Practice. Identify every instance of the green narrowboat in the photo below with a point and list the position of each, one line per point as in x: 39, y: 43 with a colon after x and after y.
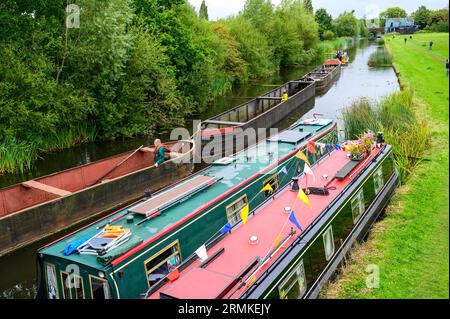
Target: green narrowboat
x: 292, y: 244
x: 129, y: 251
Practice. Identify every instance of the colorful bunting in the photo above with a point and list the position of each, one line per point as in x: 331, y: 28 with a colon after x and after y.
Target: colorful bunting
x: 294, y: 221
x: 283, y: 170
x: 302, y: 196
x: 202, y: 253
x: 267, y: 188
x: 337, y: 146
x: 225, y: 229
x: 244, y: 214
x: 311, y: 147
x: 277, y: 241
x: 303, y: 157
x: 173, y: 275
x: 308, y: 170
x: 251, y: 280
x: 329, y: 148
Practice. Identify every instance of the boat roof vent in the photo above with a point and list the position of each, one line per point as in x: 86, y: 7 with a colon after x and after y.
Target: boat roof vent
x: 291, y: 137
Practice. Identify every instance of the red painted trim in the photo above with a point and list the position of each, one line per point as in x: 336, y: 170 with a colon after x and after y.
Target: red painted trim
x: 136, y: 249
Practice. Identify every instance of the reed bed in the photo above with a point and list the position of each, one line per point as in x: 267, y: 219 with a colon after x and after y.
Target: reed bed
x: 380, y: 58
x: 18, y: 156
x: 394, y: 115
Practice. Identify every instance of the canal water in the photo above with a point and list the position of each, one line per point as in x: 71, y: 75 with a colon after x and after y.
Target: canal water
x: 18, y: 269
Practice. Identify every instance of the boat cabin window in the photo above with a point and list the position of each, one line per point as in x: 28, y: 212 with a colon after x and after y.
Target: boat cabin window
x: 294, y: 286
x: 52, y: 285
x: 234, y: 210
x: 378, y: 180
x: 162, y: 263
x: 328, y: 243
x: 358, y: 205
x: 73, y: 286
x: 99, y: 288
x: 273, y: 181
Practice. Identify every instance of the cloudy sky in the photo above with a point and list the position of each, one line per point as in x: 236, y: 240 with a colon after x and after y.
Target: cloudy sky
x: 222, y: 8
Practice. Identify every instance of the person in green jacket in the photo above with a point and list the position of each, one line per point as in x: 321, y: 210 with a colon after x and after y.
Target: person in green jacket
x: 159, y: 152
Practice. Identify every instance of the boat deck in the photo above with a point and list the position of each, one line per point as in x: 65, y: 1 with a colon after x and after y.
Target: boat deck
x: 226, y: 178
x: 219, y: 278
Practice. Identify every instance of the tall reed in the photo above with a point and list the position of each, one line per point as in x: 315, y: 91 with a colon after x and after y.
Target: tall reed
x: 380, y: 58
x: 394, y: 115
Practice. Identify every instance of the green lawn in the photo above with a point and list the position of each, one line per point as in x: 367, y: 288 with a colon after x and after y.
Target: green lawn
x: 411, y: 245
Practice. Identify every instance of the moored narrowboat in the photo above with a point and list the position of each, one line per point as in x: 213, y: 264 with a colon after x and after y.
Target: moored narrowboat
x: 292, y: 244
x: 325, y: 75
x: 129, y: 251
x: 34, y: 209
x: 264, y: 111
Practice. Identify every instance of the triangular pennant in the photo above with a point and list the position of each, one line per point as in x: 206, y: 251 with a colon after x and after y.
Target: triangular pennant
x: 329, y: 148
x: 225, y: 229
x: 251, y: 280
x: 337, y: 146
x: 267, y: 188
x: 294, y: 221
x: 202, y: 253
x: 309, y: 171
x: 303, y: 157
x: 244, y: 214
x: 302, y: 196
x: 311, y: 147
x: 283, y: 170
x: 277, y: 240
x: 173, y: 275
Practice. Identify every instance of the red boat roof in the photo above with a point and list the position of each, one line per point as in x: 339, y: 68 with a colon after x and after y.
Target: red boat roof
x: 332, y: 62
x: 204, y: 282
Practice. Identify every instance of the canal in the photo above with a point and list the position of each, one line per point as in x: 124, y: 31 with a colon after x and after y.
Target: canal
x: 18, y: 269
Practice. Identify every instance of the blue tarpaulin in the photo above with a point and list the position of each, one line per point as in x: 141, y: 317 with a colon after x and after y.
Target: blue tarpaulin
x: 72, y: 247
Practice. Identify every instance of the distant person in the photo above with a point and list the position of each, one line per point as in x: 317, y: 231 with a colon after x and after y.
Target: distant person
x: 406, y: 40
x: 410, y: 37
x: 160, y: 152
x: 446, y: 67
x: 431, y: 45
x: 284, y: 97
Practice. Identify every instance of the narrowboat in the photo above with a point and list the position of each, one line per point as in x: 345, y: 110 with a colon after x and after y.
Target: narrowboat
x: 264, y: 111
x: 34, y: 209
x: 128, y: 251
x: 292, y: 244
x: 325, y: 75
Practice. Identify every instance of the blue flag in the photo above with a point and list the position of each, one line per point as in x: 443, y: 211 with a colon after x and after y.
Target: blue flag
x: 337, y: 146
x: 329, y: 148
x: 225, y: 229
x: 284, y: 170
x: 294, y: 221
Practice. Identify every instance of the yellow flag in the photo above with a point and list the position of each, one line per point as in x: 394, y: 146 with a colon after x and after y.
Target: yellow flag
x: 244, y: 214
x: 302, y: 156
x: 277, y: 241
x: 267, y: 188
x: 347, y: 148
x: 302, y: 196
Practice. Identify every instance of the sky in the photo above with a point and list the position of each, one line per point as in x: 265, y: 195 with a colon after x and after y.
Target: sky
x: 222, y: 8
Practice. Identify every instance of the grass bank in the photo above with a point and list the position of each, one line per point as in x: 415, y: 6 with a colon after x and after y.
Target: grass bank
x: 411, y: 245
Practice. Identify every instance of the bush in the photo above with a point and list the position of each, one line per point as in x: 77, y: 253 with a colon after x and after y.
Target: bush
x: 328, y: 35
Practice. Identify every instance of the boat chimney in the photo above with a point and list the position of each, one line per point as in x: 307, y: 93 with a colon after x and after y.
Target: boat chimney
x: 147, y: 193
x: 294, y: 185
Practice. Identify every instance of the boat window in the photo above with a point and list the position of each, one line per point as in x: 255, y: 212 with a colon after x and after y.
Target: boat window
x: 358, y: 205
x: 273, y: 181
x: 328, y: 242
x: 378, y: 180
x: 52, y: 285
x: 294, y: 286
x: 234, y: 210
x: 99, y: 288
x: 161, y: 264
x: 67, y: 293
x: 79, y: 287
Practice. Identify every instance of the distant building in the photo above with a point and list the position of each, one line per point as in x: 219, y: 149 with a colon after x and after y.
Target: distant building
x: 401, y: 25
